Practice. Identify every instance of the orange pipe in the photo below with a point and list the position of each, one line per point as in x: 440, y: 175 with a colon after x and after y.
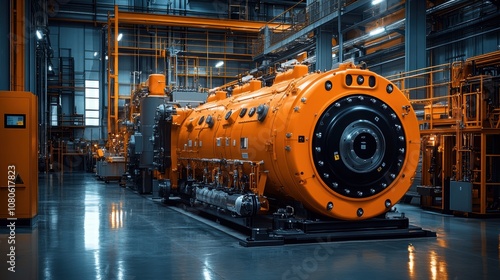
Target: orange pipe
x: 109, y: 78
x: 17, y: 46
x: 115, y: 67
x: 194, y: 22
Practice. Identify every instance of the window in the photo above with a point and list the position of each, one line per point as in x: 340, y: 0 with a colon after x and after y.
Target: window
x: 92, y: 103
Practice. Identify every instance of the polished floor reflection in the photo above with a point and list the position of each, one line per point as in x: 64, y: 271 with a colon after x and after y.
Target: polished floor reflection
x: 91, y: 230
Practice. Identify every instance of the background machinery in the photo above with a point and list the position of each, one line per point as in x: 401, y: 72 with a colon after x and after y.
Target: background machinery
x: 146, y: 98
x: 138, y: 126
x: 460, y: 130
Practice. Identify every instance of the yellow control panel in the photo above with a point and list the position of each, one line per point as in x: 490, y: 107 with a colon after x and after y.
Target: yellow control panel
x: 19, y: 155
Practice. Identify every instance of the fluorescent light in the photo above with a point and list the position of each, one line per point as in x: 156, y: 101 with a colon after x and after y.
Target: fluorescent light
x: 377, y: 31
x: 334, y: 55
x: 96, y: 54
x: 50, y: 67
x: 39, y: 34
x: 375, y: 2
x: 219, y: 64
x: 106, y: 57
x: 120, y: 36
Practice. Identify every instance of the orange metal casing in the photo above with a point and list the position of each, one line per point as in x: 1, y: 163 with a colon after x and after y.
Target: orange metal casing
x: 252, y: 85
x: 19, y: 148
x: 295, y: 102
x: 156, y: 83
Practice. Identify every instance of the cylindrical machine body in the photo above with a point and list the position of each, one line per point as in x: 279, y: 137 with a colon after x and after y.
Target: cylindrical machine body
x: 147, y: 121
x: 344, y: 143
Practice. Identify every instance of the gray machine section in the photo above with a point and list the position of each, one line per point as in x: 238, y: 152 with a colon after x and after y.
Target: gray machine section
x: 461, y: 196
x: 141, y: 149
x: 111, y: 168
x: 244, y: 205
x: 135, y: 143
x: 147, y: 121
x: 189, y: 98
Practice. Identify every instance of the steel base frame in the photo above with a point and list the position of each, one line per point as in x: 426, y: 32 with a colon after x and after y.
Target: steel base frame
x: 273, y: 230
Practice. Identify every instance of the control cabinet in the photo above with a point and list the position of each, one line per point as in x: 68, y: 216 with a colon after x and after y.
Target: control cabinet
x: 19, y: 156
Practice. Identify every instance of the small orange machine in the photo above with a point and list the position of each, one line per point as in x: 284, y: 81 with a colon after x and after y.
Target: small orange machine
x: 18, y: 163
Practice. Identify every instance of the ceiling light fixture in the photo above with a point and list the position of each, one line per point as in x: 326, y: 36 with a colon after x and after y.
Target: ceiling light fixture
x: 219, y: 64
x: 377, y: 31
x: 39, y: 34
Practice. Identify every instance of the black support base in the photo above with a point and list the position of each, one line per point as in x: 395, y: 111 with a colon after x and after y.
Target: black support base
x: 272, y: 230
x: 330, y: 231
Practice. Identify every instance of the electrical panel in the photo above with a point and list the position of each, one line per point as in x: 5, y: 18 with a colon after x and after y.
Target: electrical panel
x: 19, y: 156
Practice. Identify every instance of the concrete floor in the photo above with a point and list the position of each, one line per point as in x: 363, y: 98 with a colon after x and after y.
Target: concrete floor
x: 91, y: 230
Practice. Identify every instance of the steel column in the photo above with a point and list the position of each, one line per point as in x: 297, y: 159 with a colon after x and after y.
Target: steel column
x: 415, y: 41
x: 323, y: 49
x: 5, y: 47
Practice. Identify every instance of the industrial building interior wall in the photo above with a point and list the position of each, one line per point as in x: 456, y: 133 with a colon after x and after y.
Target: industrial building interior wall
x: 4, y: 49
x: 453, y: 34
x: 466, y: 32
x: 451, y: 26
x: 66, y: 81
x: 187, y: 57
x: 247, y: 10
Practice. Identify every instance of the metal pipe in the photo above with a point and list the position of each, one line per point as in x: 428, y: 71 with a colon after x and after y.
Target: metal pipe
x: 17, y: 50
x: 393, y: 26
x: 340, y: 42
x: 465, y: 24
x: 115, y: 60
x: 445, y: 5
x: 194, y: 22
x: 108, y: 68
x: 45, y: 110
x: 244, y: 204
x: 102, y: 82
x: 464, y: 38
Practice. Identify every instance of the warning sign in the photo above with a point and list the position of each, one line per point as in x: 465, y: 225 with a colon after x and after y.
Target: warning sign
x: 19, y: 180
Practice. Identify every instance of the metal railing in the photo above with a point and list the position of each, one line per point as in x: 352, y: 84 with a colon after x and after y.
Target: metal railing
x: 296, y: 19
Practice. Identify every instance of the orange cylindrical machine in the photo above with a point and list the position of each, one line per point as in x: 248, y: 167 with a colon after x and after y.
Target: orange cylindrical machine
x: 343, y: 143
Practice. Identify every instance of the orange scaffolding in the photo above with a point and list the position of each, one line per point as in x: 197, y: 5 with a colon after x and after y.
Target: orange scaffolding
x: 190, y: 68
x: 460, y: 130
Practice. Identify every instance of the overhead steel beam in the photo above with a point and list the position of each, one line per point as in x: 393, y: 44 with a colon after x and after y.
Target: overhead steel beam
x: 194, y: 22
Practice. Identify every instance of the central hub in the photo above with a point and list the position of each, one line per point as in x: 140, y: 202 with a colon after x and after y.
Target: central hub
x: 365, y: 145
x: 362, y: 146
